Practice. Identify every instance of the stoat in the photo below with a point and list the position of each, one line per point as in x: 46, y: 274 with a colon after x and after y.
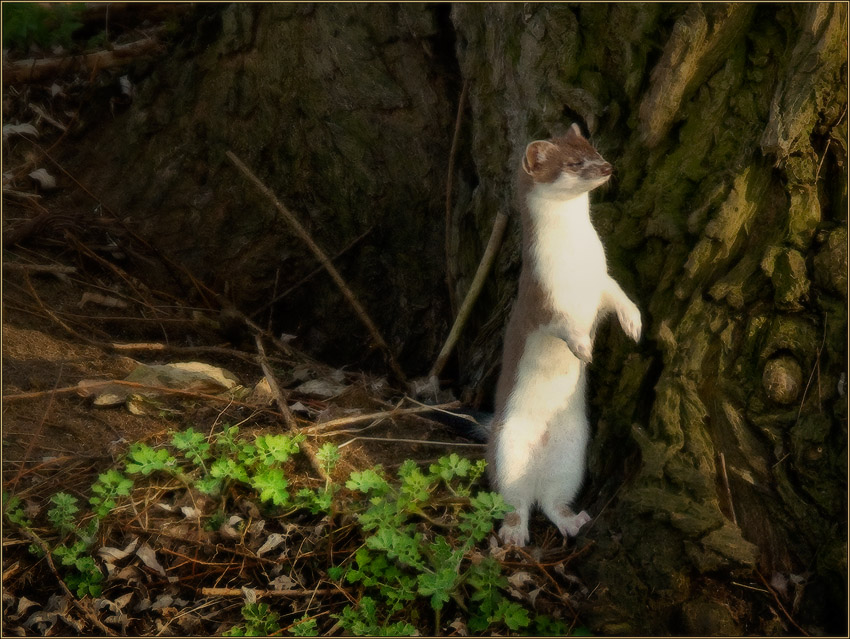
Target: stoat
x: 539, y: 433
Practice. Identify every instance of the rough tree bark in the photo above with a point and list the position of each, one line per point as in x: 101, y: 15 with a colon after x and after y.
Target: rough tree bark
x: 721, y: 440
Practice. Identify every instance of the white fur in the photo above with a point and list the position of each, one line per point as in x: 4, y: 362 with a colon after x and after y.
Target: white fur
x: 540, y: 453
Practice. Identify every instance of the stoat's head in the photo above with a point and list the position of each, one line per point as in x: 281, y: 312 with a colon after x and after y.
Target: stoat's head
x: 565, y: 167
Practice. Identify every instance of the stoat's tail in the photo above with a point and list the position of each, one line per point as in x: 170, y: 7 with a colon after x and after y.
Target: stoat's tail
x: 465, y: 422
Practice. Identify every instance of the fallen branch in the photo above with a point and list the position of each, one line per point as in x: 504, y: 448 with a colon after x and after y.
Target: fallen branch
x: 487, y: 260
x: 33, y: 70
x: 329, y: 267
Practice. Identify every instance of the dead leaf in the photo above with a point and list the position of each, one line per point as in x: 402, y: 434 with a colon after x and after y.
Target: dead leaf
x: 102, y: 300
x: 19, y: 129
x: 282, y: 582
x: 273, y: 541
x: 459, y: 625
x: 24, y: 604
x: 108, y: 553
x: 518, y: 579
x: 44, y: 179
x: 322, y: 388
x: 190, y: 512
x: 228, y: 529
x: 148, y: 556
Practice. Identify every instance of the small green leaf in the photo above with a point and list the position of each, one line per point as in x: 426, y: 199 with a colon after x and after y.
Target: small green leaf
x: 305, y: 627
x: 447, y: 468
x: 368, y: 481
x: 62, y: 513
x: 271, y: 484
x: 146, y: 460
x: 328, y: 454
x: 277, y: 448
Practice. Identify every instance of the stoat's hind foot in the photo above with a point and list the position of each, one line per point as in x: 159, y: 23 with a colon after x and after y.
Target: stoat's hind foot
x: 567, y: 522
x: 514, y: 530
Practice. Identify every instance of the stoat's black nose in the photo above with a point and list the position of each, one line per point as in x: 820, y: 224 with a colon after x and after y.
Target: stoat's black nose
x: 606, y: 169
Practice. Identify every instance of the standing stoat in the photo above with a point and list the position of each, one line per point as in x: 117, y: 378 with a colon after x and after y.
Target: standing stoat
x: 539, y: 433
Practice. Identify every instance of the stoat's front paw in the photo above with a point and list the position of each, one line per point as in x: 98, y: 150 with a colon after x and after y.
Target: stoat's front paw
x: 629, y: 317
x: 582, y: 348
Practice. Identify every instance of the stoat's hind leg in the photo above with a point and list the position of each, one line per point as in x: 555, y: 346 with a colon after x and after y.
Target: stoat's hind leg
x: 565, y: 519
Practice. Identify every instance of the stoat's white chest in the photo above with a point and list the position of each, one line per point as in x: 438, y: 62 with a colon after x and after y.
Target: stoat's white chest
x: 568, y: 257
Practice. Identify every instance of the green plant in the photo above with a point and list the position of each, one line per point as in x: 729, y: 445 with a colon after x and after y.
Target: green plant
x: 403, y: 561
x: 145, y: 460
x: 14, y: 511
x: 260, y: 621
x: 106, y: 489
x: 62, y: 513
x: 85, y: 578
x: 304, y: 627
x: 420, y: 530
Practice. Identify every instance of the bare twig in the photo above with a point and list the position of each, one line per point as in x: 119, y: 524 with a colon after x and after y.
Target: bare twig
x: 728, y: 490
x: 449, y: 180
x: 346, y: 421
x: 814, y: 368
x: 329, y: 267
x: 275, y: 389
x: 300, y: 592
x: 412, y: 441
x: 306, y: 447
x: 487, y: 260
x: 779, y: 603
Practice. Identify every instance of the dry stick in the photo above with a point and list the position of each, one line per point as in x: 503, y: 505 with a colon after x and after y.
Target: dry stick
x: 275, y: 389
x: 284, y: 408
x: 449, y: 180
x: 345, y: 421
x: 331, y: 269
x: 487, y: 260
x: 237, y: 592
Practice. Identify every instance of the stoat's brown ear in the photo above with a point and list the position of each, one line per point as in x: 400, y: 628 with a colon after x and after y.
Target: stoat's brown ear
x: 536, y: 154
x: 576, y: 129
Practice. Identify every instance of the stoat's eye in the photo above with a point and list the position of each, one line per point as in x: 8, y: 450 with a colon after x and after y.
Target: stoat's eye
x: 573, y: 165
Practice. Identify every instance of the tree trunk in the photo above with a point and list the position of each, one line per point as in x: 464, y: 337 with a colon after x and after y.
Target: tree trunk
x: 720, y: 447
